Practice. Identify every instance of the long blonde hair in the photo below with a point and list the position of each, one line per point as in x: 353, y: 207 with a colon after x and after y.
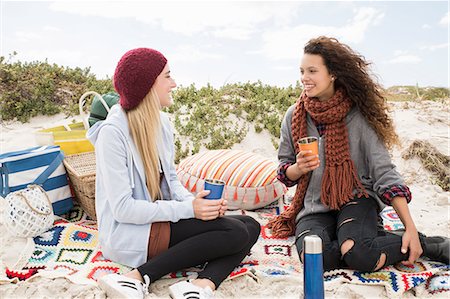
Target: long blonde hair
x: 144, y: 122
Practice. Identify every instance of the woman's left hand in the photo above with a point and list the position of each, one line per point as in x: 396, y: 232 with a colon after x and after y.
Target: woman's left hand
x: 410, y: 240
x: 223, y: 207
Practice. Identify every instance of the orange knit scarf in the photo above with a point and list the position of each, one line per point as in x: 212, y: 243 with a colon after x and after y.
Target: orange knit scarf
x: 339, y: 177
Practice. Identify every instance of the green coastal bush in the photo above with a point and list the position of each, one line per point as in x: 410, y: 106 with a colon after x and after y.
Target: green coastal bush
x: 416, y: 93
x: 28, y: 89
x: 208, y: 117
x: 218, y: 118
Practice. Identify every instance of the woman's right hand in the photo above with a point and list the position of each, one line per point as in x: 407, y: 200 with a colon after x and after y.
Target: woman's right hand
x: 206, y: 209
x: 306, y: 163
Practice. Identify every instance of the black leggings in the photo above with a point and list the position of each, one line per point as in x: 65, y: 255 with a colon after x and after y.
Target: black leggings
x: 357, y: 221
x: 222, y: 243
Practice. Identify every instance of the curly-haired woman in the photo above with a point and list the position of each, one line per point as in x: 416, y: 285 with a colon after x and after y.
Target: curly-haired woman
x: 340, y: 195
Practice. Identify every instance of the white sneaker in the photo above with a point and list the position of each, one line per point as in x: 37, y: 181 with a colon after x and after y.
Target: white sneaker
x: 120, y: 286
x: 185, y: 290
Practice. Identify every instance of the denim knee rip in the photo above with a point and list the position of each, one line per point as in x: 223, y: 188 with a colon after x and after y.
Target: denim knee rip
x: 362, y: 258
x: 359, y: 257
x: 379, y: 258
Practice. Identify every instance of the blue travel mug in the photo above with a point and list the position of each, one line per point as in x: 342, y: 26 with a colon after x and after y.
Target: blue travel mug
x: 216, y: 188
x: 313, y: 287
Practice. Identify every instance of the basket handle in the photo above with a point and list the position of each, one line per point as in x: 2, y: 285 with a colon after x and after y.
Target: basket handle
x: 82, y: 101
x: 28, y: 203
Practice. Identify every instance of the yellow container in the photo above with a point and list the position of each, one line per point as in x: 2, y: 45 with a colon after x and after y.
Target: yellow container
x: 71, y: 138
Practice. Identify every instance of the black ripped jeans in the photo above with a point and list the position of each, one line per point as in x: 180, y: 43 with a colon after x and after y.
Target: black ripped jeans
x: 358, y: 221
x: 222, y: 243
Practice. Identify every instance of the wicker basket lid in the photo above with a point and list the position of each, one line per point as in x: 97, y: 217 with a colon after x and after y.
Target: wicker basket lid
x: 82, y: 164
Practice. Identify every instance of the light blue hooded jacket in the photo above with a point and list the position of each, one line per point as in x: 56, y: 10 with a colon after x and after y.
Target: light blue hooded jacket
x: 124, y: 208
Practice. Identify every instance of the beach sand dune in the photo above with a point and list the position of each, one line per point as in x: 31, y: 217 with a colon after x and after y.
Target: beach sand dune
x: 429, y: 121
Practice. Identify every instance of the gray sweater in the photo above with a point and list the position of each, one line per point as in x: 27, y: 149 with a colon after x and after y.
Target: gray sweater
x: 371, y: 158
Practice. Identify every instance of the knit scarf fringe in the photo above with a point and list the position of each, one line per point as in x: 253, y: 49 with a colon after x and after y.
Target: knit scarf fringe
x: 334, y: 194
x: 283, y: 226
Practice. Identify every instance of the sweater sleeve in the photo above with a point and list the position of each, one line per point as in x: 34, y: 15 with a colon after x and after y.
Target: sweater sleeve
x: 115, y: 185
x: 286, y: 149
x: 387, y: 182
x: 180, y: 193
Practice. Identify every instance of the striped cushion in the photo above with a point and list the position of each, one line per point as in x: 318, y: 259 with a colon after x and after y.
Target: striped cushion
x: 250, y: 179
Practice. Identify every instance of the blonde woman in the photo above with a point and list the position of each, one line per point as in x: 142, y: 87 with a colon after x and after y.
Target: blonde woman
x: 146, y: 219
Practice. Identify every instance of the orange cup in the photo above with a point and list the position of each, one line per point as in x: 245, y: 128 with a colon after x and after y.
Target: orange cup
x: 309, y: 144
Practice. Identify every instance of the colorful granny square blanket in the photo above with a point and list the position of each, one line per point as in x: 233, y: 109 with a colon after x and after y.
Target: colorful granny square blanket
x: 70, y: 249
x: 279, y: 257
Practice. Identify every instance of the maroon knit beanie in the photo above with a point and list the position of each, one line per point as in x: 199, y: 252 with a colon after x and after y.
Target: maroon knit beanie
x: 135, y: 75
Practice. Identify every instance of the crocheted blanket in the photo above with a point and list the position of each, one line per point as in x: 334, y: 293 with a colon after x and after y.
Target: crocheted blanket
x: 274, y: 256
x: 70, y: 249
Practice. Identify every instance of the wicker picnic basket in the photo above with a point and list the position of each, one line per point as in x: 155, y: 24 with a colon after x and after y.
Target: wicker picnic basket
x: 81, y: 170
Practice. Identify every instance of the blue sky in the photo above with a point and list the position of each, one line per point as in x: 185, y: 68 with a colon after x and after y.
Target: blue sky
x: 233, y: 41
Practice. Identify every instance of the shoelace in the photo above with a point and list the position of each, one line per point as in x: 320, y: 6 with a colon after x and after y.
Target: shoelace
x: 146, y: 284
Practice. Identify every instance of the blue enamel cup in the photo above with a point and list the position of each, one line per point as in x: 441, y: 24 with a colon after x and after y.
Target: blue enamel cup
x: 216, y: 188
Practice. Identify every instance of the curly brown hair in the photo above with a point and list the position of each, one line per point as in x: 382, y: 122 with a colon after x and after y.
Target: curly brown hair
x: 352, y: 74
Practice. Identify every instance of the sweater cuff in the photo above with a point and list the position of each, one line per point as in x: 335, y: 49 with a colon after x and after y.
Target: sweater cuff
x: 188, y: 211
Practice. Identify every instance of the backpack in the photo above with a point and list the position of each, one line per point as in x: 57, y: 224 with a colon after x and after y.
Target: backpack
x: 98, y: 107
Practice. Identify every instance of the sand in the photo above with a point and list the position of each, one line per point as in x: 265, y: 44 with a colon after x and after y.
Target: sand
x: 427, y: 120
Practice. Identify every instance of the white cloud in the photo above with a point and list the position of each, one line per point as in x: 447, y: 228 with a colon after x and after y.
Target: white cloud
x: 287, y: 43
x: 405, y: 59
x: 404, y: 56
x: 435, y: 47
x: 30, y: 36
x: 444, y: 21
x: 190, y: 54
x: 426, y: 26
x: 52, y: 29
x: 22, y: 36
x: 284, y: 68
x: 62, y: 57
x: 364, y: 17
x: 234, y: 33
x: 400, y: 52
x: 236, y: 20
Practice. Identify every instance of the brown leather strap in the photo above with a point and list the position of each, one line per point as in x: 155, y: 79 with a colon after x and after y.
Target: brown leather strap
x: 159, y: 238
